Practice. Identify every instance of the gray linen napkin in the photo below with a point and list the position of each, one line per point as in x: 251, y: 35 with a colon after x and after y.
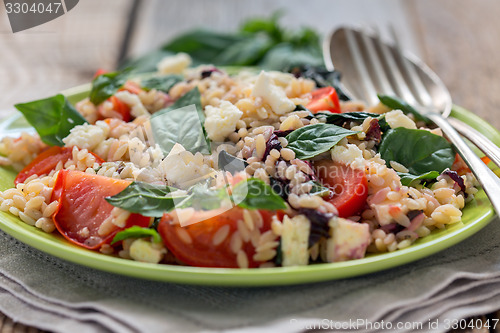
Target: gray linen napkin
x: 43, y: 291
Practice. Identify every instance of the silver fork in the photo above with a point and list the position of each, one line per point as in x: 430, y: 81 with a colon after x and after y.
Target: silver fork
x: 371, y: 66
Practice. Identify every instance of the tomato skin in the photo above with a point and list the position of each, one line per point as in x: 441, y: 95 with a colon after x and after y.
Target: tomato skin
x: 324, y: 99
x: 47, y: 161
x: 82, y: 204
x: 350, y: 186
x: 201, y: 251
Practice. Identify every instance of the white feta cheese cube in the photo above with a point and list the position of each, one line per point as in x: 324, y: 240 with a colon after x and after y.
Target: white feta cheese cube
x: 87, y: 136
x: 221, y: 121
x: 397, y: 118
x: 348, y: 240
x: 143, y: 250
x: 272, y: 94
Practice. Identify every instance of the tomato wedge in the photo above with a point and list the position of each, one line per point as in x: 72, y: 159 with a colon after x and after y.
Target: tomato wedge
x: 47, y: 161
x: 324, y: 99
x: 83, y: 207
x: 198, y: 249
x: 349, y: 185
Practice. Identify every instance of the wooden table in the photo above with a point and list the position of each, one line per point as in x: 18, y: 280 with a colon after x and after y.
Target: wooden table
x: 457, y: 38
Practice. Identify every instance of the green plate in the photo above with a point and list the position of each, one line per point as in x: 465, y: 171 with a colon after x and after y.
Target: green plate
x: 476, y: 215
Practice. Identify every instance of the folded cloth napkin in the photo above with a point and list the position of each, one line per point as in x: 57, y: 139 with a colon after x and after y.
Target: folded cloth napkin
x: 431, y: 294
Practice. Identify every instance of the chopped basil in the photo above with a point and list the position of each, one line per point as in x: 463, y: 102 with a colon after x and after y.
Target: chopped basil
x: 255, y: 194
x: 161, y: 83
x: 341, y: 118
x: 313, y: 140
x: 318, y: 189
x: 106, y: 85
x: 182, y: 123
x: 408, y: 179
x: 419, y: 151
x: 53, y: 118
x: 146, y: 199
x: 136, y: 232
x: 398, y: 104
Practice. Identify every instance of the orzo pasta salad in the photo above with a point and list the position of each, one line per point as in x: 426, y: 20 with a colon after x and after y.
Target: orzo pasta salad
x: 193, y: 166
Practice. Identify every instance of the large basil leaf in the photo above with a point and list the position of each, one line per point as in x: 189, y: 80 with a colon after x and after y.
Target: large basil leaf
x: 313, y: 140
x: 408, y: 179
x: 161, y: 83
x: 182, y: 123
x: 245, y: 52
x: 137, y: 232
x: 286, y: 55
x: 106, y: 85
x: 255, y: 194
x: 53, y: 118
x: 419, y: 151
x: 145, y: 199
x: 398, y: 104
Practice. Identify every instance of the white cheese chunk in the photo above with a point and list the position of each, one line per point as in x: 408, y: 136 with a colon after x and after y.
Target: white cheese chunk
x: 294, y: 241
x: 145, y: 251
x: 221, y: 121
x: 272, y: 94
x: 174, y: 64
x: 397, y: 118
x: 348, y: 240
x: 87, y: 136
x: 348, y: 155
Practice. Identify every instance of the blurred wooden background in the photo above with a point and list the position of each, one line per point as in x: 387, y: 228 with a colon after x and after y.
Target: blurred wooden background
x: 457, y: 38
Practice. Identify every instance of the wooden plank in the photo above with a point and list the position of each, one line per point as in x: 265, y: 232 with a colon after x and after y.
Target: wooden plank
x: 459, y: 40
x: 62, y: 53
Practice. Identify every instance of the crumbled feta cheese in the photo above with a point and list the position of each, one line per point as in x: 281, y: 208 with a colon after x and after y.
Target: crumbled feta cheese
x: 145, y: 251
x: 182, y: 168
x: 174, y: 64
x: 221, y: 121
x: 294, y: 240
x: 274, y: 95
x: 349, y: 155
x: 348, y: 240
x: 133, y: 101
x: 87, y: 136
x: 397, y: 118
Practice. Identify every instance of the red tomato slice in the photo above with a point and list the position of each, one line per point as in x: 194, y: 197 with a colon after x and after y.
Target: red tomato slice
x: 324, y: 99
x: 199, y: 249
x: 83, y: 208
x: 47, y: 161
x: 349, y: 185
x: 122, y: 108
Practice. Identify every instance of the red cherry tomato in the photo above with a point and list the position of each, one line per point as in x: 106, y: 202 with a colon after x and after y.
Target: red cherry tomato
x: 324, y: 99
x: 47, y: 161
x: 83, y: 208
x: 198, y: 249
x: 349, y: 186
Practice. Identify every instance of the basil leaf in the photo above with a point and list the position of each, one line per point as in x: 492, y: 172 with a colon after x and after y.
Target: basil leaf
x: 106, y: 85
x: 228, y: 162
x: 145, y: 199
x: 408, y: 179
x: 318, y: 189
x: 182, y: 123
x: 255, y: 194
x: 53, y: 118
x: 204, y: 46
x: 245, y: 52
x: 137, y: 232
x: 341, y: 118
x: 398, y: 104
x: 286, y: 55
x: 161, y: 83
x: 312, y: 140
x: 419, y: 151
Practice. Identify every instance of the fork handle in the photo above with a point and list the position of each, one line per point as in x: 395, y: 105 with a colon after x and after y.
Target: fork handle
x: 488, y: 180
x: 483, y: 143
